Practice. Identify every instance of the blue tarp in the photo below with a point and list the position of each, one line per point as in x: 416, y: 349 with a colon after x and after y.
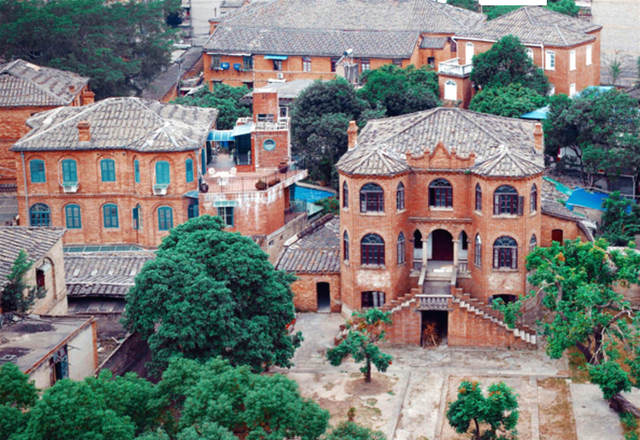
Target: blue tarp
x: 586, y: 199
x: 275, y: 57
x: 539, y: 113
x: 220, y: 135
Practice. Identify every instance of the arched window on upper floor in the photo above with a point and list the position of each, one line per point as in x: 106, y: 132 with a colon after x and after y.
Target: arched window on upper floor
x: 188, y: 165
x: 533, y: 200
x: 72, y: 216
x: 400, y: 202
x: 108, y: 170
x: 37, y: 171
x: 505, y: 253
x: 345, y: 195
x: 477, y: 251
x: 440, y: 194
x: 506, y: 201
x: 533, y: 243
x: 478, y: 197
x: 371, y: 198
x: 372, y: 250
x: 402, y: 249
x: 345, y: 246
x: 40, y: 215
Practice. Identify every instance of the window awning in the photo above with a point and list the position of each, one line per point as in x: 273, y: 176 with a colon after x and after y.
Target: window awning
x: 191, y: 194
x: 220, y: 135
x: 275, y: 57
x: 240, y: 130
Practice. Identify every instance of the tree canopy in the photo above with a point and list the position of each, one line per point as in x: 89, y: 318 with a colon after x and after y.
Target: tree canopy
x: 601, y: 128
x: 577, y: 283
x: 567, y: 7
x: 226, y: 99
x: 120, y: 46
x: 351, y: 431
x: 400, y: 91
x: 621, y: 220
x: 210, y: 292
x: 512, y: 100
x: 505, y: 63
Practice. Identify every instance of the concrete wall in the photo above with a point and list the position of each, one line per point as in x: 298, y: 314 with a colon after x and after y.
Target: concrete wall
x: 83, y: 354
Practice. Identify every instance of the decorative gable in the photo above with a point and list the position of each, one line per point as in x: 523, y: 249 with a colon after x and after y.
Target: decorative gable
x: 441, y: 158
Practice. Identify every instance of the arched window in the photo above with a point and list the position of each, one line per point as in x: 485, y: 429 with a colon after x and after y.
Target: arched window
x: 163, y: 174
x: 400, y: 197
x: 505, y: 253
x: 402, y: 252
x: 72, y: 216
x: 440, y: 193
x: 110, y: 215
x: 533, y: 243
x: 69, y: 171
x: 188, y: 165
x: 372, y: 250
x: 477, y: 249
x: 165, y: 218
x: 345, y: 195
x: 137, y: 217
x: 40, y: 215
x: 505, y: 200
x: 533, y: 202
x: 478, y: 197
x: 371, y: 198
x: 36, y: 167
x: 108, y: 170
x: 345, y: 245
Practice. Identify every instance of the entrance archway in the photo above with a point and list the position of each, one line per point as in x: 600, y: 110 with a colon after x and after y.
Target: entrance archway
x: 323, y: 295
x: 441, y: 245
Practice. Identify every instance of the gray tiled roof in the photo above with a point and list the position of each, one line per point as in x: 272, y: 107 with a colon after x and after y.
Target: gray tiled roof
x: 535, y: 25
x: 120, y: 123
x: 316, y: 252
x: 289, y: 90
x: 165, y: 81
x: 36, y: 242
x: 25, y: 84
x: 433, y: 42
x: 104, y: 274
x: 416, y: 15
x: 502, y: 146
x: 318, y: 42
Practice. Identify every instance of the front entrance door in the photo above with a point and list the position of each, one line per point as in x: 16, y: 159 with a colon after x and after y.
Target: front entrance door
x: 442, y: 245
x: 556, y: 235
x: 323, y: 293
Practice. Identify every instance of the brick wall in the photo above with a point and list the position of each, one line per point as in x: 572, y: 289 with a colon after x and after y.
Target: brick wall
x: 304, y: 290
x: 569, y: 228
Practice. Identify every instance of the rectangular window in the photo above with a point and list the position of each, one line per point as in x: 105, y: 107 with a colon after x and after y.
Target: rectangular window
x: 550, y: 60
x: 468, y: 56
x: 136, y: 217
x: 110, y: 216
x: 397, y: 62
x: 72, y: 217
x: 136, y: 170
x: 365, y: 64
x: 189, y: 170
x: 36, y: 167
x: 193, y: 210
x: 552, y: 90
x: 226, y: 213
x: 165, y: 218
x: 69, y: 171
x: 306, y: 64
x: 163, y: 176
x: 572, y: 60
x: 334, y: 63
x: 277, y: 65
x: 372, y: 299
x: 247, y: 63
x: 589, y: 55
x: 572, y: 89
x: 108, y: 170
x: 215, y: 62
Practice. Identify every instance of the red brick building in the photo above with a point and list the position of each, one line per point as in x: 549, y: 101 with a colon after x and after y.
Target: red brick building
x: 567, y: 49
x: 26, y: 89
x: 439, y: 210
x: 289, y: 39
x: 122, y: 170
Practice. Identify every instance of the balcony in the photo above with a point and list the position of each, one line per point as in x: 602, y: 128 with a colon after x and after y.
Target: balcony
x: 160, y: 190
x: 451, y: 67
x: 70, y: 187
x: 228, y: 181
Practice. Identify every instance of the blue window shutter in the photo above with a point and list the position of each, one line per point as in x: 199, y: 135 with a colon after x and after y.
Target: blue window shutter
x: 165, y: 218
x: 72, y: 217
x: 36, y: 167
x: 163, y: 175
x: 69, y: 171
x: 108, y: 170
x: 189, y: 170
x: 110, y: 215
x: 136, y: 170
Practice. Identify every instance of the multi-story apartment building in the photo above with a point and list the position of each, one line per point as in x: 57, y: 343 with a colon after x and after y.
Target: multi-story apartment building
x: 567, y: 49
x: 122, y: 170
x: 26, y: 89
x: 288, y: 39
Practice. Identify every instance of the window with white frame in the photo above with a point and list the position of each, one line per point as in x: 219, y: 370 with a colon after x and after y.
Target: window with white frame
x: 529, y: 53
x: 306, y: 64
x: 469, y: 52
x: 572, y: 89
x: 450, y: 91
x: 589, y: 55
x: 572, y: 60
x: 550, y: 60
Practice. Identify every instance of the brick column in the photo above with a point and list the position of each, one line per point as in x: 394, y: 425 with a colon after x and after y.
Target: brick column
x: 455, y: 254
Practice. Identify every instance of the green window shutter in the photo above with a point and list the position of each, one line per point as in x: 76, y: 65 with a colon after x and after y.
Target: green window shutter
x: 163, y: 176
x: 110, y: 215
x: 69, y: 171
x: 189, y: 170
x: 108, y: 170
x: 136, y: 170
x: 72, y: 217
x: 165, y: 218
x: 36, y: 167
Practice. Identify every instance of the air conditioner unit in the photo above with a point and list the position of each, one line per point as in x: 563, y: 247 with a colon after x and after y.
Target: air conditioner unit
x: 160, y: 190
x: 280, y: 75
x: 70, y: 187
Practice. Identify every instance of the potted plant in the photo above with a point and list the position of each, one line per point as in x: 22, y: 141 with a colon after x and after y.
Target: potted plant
x: 283, y: 167
x: 261, y: 185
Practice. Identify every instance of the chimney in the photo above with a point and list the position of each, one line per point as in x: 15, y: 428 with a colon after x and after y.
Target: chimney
x: 84, y: 133
x: 538, y: 138
x: 352, y: 133
x: 88, y: 97
x: 72, y: 88
x: 213, y: 25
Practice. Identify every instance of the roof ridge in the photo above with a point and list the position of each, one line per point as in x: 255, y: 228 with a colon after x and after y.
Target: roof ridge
x: 555, y: 25
x: 480, y: 126
x: 40, y: 86
x: 526, y: 11
x: 427, y: 113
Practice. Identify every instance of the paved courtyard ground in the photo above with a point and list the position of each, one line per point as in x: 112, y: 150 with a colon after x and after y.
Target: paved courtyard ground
x: 409, y: 401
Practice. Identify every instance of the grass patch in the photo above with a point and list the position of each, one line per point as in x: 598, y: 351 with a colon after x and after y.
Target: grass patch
x: 577, y: 366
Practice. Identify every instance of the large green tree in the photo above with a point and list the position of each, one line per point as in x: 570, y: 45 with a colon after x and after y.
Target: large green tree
x: 601, y: 129
x: 567, y: 7
x: 498, y: 410
x: 365, y: 331
x: 227, y: 99
x: 17, y: 394
x: 120, y: 46
x: 505, y: 63
x: 620, y: 222
x: 578, y: 284
x: 400, y: 91
x: 210, y: 292
x: 512, y: 100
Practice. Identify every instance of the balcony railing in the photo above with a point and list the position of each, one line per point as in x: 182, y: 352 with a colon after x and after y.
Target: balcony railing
x: 451, y: 67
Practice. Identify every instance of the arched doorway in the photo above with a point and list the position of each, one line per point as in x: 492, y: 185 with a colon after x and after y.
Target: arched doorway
x: 417, y: 249
x: 323, y: 294
x: 441, y: 245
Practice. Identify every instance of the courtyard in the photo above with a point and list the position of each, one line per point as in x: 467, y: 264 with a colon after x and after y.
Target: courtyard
x: 409, y: 401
